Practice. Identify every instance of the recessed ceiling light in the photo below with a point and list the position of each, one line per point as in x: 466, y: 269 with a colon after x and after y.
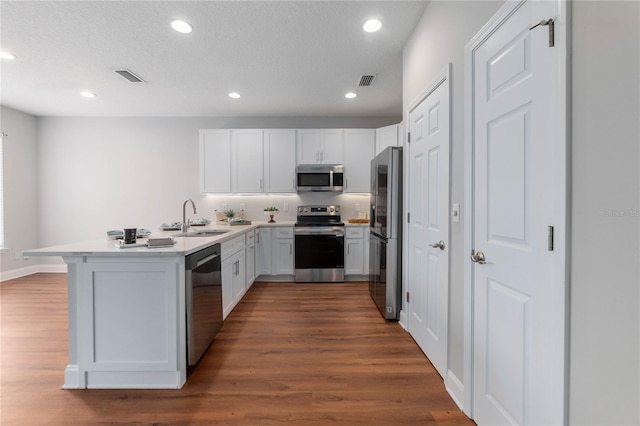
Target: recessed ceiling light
x: 181, y: 26
x: 350, y: 95
x: 372, y: 25
x: 87, y: 94
x: 234, y: 95
x: 7, y: 55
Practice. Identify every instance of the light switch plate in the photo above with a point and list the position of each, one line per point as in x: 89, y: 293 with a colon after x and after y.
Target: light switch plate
x: 455, y: 213
x: 357, y: 207
x: 286, y: 207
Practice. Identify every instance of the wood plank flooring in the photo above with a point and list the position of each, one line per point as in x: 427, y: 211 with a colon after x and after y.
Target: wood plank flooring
x: 301, y: 354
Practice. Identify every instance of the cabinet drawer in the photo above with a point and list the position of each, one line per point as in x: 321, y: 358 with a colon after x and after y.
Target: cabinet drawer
x: 283, y: 232
x: 354, y: 231
x: 231, y: 246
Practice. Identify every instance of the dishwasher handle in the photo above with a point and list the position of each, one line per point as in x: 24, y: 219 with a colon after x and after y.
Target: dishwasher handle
x: 206, y: 259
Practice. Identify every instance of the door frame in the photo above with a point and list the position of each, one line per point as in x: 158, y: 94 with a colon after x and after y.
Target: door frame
x: 443, y: 76
x: 560, y: 168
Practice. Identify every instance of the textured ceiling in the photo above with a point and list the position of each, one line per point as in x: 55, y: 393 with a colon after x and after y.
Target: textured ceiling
x: 286, y: 58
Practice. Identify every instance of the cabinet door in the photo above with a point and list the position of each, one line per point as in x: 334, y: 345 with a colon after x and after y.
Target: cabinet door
x: 308, y: 146
x: 359, y: 147
x: 215, y: 161
x: 283, y: 262
x: 228, y: 275
x: 280, y: 160
x: 354, y: 256
x: 331, y: 150
x: 251, y: 265
x: 239, y: 277
x: 247, y: 161
x: 386, y: 136
x: 263, y: 251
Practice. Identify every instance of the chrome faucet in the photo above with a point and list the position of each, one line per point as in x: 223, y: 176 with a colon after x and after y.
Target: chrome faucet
x: 185, y: 225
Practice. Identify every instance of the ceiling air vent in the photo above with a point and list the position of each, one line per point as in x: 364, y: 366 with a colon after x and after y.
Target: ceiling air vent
x: 129, y: 76
x: 366, y: 80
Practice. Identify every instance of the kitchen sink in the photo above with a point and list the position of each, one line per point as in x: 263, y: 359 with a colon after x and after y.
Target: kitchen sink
x: 202, y: 233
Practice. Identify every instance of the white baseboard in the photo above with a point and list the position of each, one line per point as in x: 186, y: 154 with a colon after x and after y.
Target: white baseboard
x: 455, y: 388
x: 33, y: 269
x: 403, y: 319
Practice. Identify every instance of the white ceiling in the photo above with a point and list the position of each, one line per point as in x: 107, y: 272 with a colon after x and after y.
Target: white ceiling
x: 286, y: 58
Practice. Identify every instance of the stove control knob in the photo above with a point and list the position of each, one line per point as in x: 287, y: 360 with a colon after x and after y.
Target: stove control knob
x: 337, y: 209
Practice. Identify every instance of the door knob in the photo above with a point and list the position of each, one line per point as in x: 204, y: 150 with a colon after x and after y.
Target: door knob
x: 439, y: 244
x: 478, y: 257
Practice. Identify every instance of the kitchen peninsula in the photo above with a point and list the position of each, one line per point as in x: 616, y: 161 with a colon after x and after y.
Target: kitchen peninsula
x: 127, y: 309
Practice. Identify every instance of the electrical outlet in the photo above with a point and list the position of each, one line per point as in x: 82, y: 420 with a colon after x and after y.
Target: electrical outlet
x: 17, y: 255
x: 225, y: 207
x: 357, y: 207
x: 241, y: 206
x: 286, y: 207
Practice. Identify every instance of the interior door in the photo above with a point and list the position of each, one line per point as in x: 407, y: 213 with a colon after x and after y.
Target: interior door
x: 518, y: 309
x: 429, y: 223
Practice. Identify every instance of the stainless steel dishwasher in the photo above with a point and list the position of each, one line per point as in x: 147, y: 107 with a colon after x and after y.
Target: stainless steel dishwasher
x: 204, y: 300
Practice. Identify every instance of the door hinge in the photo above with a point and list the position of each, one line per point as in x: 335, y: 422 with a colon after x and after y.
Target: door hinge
x: 550, y: 239
x: 408, y: 217
x: 408, y: 297
x: 408, y: 137
x: 550, y: 23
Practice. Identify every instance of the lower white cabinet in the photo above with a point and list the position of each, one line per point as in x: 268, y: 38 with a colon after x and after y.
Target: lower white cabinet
x: 356, y: 252
x: 251, y: 258
x: 234, y: 283
x: 274, y: 252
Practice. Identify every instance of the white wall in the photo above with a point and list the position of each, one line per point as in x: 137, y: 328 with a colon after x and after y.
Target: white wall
x: 605, y: 276
x: 20, y: 191
x: 438, y: 39
x: 99, y: 174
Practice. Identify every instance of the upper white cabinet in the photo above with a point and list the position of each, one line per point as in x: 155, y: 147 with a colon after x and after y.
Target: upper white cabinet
x: 247, y: 161
x: 387, y: 136
x: 279, y: 160
x: 359, y: 145
x: 319, y: 146
x: 215, y: 164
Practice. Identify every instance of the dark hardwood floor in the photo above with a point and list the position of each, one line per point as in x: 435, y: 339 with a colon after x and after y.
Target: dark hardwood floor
x: 301, y: 354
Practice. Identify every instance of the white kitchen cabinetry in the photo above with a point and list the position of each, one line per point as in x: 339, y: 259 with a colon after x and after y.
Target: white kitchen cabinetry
x: 387, y: 136
x: 234, y: 283
x: 215, y: 161
x: 275, y: 253
x: 247, y: 161
x: 279, y: 160
x: 319, y: 146
x: 356, y: 256
x: 251, y: 258
x: 359, y: 146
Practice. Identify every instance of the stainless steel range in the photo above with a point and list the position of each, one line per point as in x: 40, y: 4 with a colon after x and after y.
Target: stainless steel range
x: 319, y: 244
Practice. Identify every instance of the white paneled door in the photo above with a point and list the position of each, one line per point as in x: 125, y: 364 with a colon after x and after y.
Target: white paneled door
x: 428, y: 265
x: 517, y: 186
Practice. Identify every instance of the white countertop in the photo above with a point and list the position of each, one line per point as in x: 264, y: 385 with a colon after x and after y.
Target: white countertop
x: 183, y: 245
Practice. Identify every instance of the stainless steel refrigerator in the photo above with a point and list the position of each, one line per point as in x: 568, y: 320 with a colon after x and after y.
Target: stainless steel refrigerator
x: 385, y: 242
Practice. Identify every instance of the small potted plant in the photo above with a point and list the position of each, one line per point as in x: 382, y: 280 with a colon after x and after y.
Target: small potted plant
x: 271, y: 212
x: 230, y: 214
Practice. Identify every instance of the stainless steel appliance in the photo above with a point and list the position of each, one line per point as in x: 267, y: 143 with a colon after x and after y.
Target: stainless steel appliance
x: 319, y: 178
x: 319, y: 244
x: 385, y: 243
x: 204, y: 300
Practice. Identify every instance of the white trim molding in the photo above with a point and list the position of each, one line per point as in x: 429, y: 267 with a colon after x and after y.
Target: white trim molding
x: 30, y: 270
x: 455, y: 388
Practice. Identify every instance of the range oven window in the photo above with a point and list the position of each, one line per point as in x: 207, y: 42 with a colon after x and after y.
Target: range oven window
x: 319, y: 251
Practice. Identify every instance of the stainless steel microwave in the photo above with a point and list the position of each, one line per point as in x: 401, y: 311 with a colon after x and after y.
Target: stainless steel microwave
x: 319, y: 178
